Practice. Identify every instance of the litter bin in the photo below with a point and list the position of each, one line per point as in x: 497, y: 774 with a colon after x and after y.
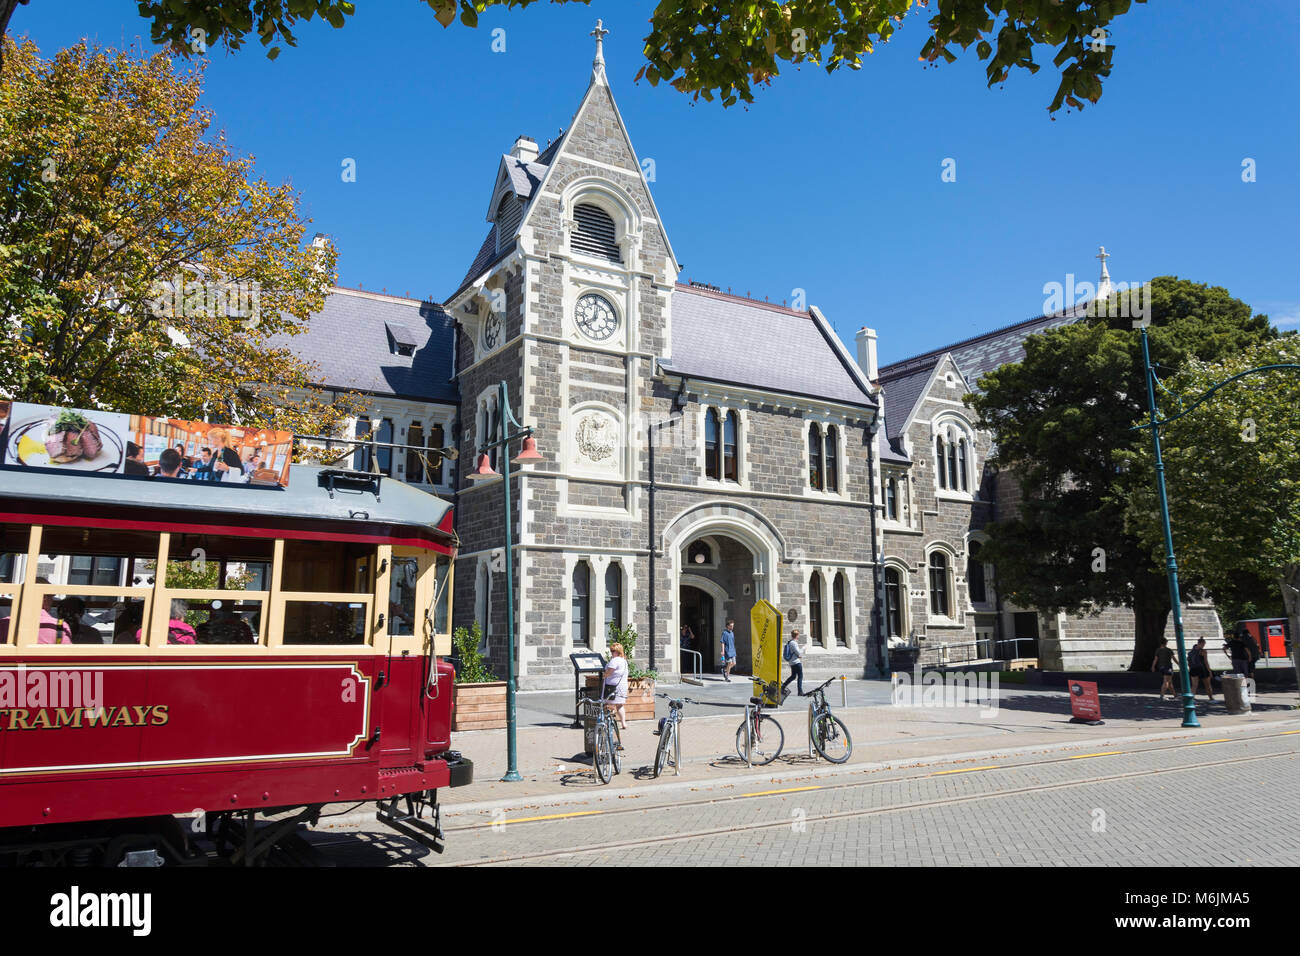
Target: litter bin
x: 1234, y: 695
x: 589, y: 709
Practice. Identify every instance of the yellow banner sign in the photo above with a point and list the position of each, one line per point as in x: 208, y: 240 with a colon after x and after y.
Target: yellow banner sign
x: 765, y: 626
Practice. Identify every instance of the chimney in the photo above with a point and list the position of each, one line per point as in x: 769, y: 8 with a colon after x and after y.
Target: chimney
x: 524, y: 149
x: 866, y: 340
x: 319, y: 244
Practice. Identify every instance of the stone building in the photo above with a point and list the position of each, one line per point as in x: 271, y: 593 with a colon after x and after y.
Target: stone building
x: 682, y: 482
x: 938, y: 494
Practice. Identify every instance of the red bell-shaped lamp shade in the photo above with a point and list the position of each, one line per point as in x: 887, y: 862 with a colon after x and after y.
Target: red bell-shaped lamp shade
x: 528, y: 454
x: 484, y: 469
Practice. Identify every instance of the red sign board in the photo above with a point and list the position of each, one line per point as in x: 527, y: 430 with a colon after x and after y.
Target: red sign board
x: 1084, y: 702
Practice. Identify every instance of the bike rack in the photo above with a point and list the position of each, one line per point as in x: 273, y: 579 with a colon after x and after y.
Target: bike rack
x: 697, y: 678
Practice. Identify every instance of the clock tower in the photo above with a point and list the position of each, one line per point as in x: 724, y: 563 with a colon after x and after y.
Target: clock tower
x: 568, y: 301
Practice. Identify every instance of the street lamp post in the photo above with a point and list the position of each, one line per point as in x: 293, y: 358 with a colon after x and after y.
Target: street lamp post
x: 1171, y: 565
x: 527, y: 455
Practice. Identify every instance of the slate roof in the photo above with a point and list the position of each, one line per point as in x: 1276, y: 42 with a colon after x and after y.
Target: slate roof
x: 902, y: 392
x: 350, y: 342
x: 904, y: 381
x: 725, y: 338
x: 524, y: 177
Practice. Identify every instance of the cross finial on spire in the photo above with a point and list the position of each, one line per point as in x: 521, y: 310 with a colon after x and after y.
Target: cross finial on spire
x: 1103, y: 283
x: 598, y: 64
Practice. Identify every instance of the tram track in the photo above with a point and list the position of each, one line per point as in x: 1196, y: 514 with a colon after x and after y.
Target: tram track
x: 906, y: 806
x: 831, y: 787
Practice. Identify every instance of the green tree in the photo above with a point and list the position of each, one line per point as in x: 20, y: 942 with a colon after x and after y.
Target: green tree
x: 114, y: 188
x: 1061, y: 421
x: 1232, y: 481
x: 725, y: 49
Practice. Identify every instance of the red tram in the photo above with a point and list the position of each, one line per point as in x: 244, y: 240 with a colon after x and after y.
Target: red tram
x: 189, y: 672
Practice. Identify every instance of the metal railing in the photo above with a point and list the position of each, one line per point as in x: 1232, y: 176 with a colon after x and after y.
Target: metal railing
x: 962, y: 652
x: 697, y: 677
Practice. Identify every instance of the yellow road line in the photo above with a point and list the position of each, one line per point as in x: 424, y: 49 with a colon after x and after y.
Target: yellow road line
x: 1108, y: 753
x: 553, y: 816
x: 1285, y: 732
x: 768, y: 793
x: 1221, y: 740
x: 940, y: 773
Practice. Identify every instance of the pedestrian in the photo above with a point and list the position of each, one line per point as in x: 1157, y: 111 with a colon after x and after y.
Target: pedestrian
x: 1198, y: 665
x: 1164, y: 665
x: 616, y: 683
x: 728, y: 649
x: 687, y: 643
x: 1242, y: 650
x: 794, y: 657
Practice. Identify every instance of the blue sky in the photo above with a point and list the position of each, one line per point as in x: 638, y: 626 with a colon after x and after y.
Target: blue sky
x: 831, y: 184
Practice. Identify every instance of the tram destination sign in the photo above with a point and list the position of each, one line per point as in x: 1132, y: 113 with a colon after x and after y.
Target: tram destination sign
x: 91, y: 441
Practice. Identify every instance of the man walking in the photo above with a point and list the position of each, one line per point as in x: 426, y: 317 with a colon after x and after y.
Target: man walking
x: 794, y: 657
x: 728, y: 649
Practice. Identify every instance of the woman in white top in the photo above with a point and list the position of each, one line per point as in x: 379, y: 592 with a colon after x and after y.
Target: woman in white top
x: 616, y: 682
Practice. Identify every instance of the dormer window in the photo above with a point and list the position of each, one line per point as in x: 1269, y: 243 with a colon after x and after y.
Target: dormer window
x: 594, y: 233
x: 510, y: 212
x: 401, y: 340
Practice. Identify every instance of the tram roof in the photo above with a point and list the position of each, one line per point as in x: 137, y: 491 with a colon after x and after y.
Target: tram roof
x: 314, y: 493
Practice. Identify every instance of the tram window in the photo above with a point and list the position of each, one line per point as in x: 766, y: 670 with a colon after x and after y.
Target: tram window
x: 203, y: 562
x: 98, y: 557
x: 442, y: 595
x: 71, y: 618
x: 401, y: 596
x: 214, y: 621
x: 328, y: 566
x: 324, y: 622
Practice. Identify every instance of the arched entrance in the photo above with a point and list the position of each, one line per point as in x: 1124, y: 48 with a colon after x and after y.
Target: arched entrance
x: 729, y: 552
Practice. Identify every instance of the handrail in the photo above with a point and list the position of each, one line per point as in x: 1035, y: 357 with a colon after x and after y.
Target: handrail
x: 698, y: 677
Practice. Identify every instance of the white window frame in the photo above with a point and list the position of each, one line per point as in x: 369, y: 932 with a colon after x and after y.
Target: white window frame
x: 904, y: 599
x: 841, y: 458
x: 952, y: 428
x: 742, y: 460
x: 954, y: 617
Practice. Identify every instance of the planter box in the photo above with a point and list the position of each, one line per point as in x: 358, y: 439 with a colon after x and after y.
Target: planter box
x: 640, y: 704
x: 480, y: 706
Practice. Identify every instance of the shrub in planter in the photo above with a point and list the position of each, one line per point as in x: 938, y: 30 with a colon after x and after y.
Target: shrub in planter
x: 480, y: 697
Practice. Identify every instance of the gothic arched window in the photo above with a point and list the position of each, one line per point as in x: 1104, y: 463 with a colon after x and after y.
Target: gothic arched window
x: 940, y: 458
x: 939, y: 603
x: 613, y: 595
x: 832, y: 458
x: 729, y: 430
x: 712, y: 445
x: 891, y: 499
x: 838, y: 590
x: 581, y: 607
x: 962, y: 470
x: 893, y: 603
x: 816, y: 461
x: 815, y: 610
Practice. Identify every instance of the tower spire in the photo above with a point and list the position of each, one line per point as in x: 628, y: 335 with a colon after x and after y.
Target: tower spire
x: 598, y: 64
x: 1103, y: 283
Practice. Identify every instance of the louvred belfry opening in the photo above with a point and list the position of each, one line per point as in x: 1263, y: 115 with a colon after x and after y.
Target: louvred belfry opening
x: 595, y: 234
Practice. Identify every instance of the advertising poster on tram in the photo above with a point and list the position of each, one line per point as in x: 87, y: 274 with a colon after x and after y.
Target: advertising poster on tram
x: 90, y: 441
x: 765, y: 626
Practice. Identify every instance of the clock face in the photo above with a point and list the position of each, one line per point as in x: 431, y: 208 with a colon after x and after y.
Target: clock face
x: 596, y: 317
x: 492, y: 332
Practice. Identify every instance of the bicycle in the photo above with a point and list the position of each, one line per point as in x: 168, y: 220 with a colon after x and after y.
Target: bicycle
x: 670, y: 740
x: 759, y: 738
x: 828, y: 735
x: 608, y: 757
